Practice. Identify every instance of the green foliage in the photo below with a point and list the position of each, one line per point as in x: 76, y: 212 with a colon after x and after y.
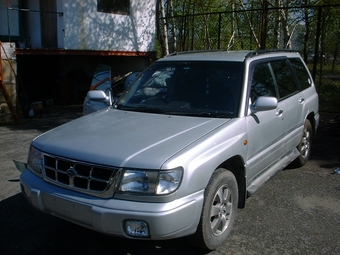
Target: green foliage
x: 329, y: 95
x: 314, y: 31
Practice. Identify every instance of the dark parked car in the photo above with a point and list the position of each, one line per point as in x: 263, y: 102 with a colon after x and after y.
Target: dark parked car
x: 112, y: 87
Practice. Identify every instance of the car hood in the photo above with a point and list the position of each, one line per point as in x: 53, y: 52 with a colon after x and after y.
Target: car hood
x: 125, y: 139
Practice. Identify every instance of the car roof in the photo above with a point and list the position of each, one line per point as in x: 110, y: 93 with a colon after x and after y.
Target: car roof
x: 223, y: 55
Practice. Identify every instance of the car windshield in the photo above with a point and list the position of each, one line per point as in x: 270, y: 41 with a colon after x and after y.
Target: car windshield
x: 208, y: 89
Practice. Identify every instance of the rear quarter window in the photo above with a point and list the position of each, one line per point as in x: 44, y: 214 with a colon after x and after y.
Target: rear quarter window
x: 301, y: 73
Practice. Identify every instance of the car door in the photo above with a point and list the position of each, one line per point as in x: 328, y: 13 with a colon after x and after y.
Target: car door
x: 266, y: 129
x: 308, y: 96
x: 293, y: 100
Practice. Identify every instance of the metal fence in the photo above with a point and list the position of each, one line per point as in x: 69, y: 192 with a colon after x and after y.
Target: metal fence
x: 313, y: 31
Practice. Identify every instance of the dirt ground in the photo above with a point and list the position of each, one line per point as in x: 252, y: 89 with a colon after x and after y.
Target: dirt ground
x: 297, y: 212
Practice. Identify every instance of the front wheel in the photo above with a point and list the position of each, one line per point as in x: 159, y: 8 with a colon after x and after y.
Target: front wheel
x: 218, y: 212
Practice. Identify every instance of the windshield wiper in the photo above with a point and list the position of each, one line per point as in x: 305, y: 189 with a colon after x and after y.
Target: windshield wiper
x: 209, y: 114
x: 150, y: 109
x: 147, y: 109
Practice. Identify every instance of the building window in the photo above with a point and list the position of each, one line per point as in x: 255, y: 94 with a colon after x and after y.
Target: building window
x: 114, y: 6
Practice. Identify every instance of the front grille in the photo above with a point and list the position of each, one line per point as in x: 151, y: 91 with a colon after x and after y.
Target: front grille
x: 88, y: 178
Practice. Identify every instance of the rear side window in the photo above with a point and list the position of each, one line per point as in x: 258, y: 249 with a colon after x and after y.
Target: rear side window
x: 301, y: 73
x: 284, y: 78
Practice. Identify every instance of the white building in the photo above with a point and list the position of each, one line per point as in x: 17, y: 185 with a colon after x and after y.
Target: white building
x: 57, y: 37
x: 116, y: 25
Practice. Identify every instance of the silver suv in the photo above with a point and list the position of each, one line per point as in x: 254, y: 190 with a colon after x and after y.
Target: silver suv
x: 186, y: 144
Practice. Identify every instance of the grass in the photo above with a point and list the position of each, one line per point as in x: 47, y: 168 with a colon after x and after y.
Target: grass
x: 328, y: 88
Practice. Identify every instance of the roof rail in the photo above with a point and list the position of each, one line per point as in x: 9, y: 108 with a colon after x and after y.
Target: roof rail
x: 249, y: 55
x: 259, y: 52
x: 190, y: 52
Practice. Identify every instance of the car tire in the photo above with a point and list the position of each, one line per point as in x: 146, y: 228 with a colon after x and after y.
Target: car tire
x: 218, y: 212
x: 304, y: 146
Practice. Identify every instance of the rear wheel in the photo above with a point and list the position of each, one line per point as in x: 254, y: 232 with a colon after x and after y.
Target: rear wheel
x: 304, y: 146
x: 219, y: 210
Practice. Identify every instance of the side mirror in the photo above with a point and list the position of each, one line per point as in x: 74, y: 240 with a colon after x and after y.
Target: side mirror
x: 98, y: 96
x: 264, y: 104
x: 96, y: 100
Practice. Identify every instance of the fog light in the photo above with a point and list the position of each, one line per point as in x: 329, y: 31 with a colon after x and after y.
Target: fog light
x: 136, y: 228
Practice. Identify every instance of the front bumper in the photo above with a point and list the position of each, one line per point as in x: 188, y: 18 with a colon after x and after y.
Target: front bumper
x: 165, y: 220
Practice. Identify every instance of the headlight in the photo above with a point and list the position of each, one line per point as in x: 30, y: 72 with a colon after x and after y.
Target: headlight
x: 169, y: 181
x: 35, y: 160
x: 151, y: 182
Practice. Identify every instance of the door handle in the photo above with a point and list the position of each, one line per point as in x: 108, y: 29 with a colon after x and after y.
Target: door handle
x: 278, y: 112
x: 301, y: 100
